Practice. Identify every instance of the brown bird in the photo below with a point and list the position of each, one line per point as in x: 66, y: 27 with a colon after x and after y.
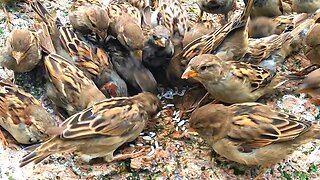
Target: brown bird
x: 216, y: 7
x: 231, y: 81
x: 230, y: 42
x: 312, y: 42
x: 305, y: 6
x: 68, y: 87
x: 252, y: 133
x: 22, y: 52
x: 22, y: 115
x: 261, y: 27
x: 89, y: 16
x: 103, y: 127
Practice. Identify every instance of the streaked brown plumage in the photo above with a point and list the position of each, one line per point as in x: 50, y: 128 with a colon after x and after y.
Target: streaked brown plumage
x: 216, y: 7
x: 22, y: 115
x: 103, y: 127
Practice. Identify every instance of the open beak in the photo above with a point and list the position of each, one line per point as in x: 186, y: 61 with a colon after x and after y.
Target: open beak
x: 161, y: 42
x: 17, y: 56
x: 189, y: 73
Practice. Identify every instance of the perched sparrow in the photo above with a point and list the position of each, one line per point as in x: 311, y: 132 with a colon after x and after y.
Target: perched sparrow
x: 158, y: 49
x: 95, y: 64
x: 269, y: 8
x: 198, y: 29
x: 306, y: 6
x: 216, y: 7
x: 261, y: 27
x: 173, y: 16
x: 22, y: 115
x: 86, y: 18
x: 103, y: 127
x: 252, y: 133
x: 231, y: 81
x: 69, y: 88
x: 22, y: 52
x: 312, y: 41
x: 229, y: 42
x: 129, y: 68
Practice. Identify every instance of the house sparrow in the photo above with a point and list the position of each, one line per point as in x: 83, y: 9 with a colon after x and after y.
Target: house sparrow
x: 198, y: 29
x: 252, y: 133
x: 231, y: 81
x: 129, y: 68
x: 129, y: 33
x: 229, y: 42
x: 312, y: 42
x: 269, y: 8
x: 86, y: 17
x: 103, y: 127
x: 22, y: 115
x: 306, y: 6
x: 68, y: 87
x: 158, y: 49
x: 216, y: 7
x: 22, y: 52
x: 95, y: 64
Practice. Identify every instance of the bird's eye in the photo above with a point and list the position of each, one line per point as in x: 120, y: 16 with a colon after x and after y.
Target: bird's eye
x: 203, y: 68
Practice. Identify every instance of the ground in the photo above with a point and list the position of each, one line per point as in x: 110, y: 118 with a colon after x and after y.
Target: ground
x: 172, y: 151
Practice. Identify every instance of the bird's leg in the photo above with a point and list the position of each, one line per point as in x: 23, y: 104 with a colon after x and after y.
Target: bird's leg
x: 131, y: 155
x: 8, y: 18
x: 199, y: 18
x: 3, y: 139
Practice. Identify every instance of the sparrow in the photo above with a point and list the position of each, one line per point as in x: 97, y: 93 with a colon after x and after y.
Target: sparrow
x: 87, y: 17
x: 287, y: 23
x: 95, y: 64
x: 229, y: 42
x: 268, y: 8
x: 22, y: 115
x: 232, y: 81
x: 252, y: 134
x: 216, y: 7
x: 306, y: 6
x: 158, y: 49
x: 129, y: 68
x: 22, y: 52
x: 312, y: 42
x: 68, y: 87
x: 103, y: 127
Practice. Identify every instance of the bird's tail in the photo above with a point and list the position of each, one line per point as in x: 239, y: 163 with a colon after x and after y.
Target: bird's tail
x: 44, y: 37
x: 303, y: 73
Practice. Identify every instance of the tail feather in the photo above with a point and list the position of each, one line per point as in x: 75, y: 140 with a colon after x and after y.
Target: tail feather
x: 33, y: 157
x: 44, y: 37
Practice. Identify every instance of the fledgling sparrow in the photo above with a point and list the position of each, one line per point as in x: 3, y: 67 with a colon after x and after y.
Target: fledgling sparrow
x: 305, y: 6
x: 231, y: 81
x: 252, y: 134
x: 22, y: 51
x: 268, y: 8
x: 312, y: 42
x: 22, y: 115
x: 216, y: 7
x: 103, y: 127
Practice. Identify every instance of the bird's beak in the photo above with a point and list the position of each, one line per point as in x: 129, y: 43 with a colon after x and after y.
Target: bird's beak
x: 189, y: 73
x: 17, y: 56
x: 161, y: 42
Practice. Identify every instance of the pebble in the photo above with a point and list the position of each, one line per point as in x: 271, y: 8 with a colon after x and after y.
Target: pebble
x: 147, y: 138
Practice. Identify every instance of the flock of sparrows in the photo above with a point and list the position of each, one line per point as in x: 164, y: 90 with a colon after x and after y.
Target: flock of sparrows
x: 103, y: 71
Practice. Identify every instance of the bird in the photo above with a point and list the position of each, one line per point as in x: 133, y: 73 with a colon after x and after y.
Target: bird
x: 268, y: 8
x: 133, y: 72
x: 22, y: 115
x: 22, y: 51
x: 103, y: 127
x: 229, y: 42
x: 252, y: 133
x: 216, y: 7
x: 87, y: 16
x: 68, y: 87
x: 312, y: 44
x: 232, y: 81
x: 303, y: 6
x: 158, y: 49
x: 261, y: 27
